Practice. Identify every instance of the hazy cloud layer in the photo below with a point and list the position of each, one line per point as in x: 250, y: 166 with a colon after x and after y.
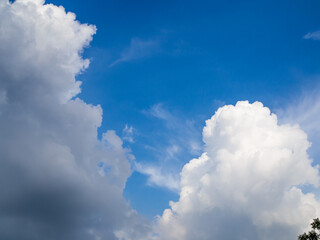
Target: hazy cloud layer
x: 57, y: 180
x: 247, y: 183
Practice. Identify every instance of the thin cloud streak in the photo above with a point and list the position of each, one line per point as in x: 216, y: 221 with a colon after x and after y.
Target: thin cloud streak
x: 184, y: 131
x: 158, y: 177
x: 138, y: 49
x: 313, y: 35
x: 180, y: 141
x: 305, y: 111
x: 128, y: 133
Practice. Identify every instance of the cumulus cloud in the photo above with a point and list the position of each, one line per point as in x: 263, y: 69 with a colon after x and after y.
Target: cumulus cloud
x: 313, y: 35
x: 51, y: 186
x: 247, y: 184
x: 138, y: 49
x: 59, y: 181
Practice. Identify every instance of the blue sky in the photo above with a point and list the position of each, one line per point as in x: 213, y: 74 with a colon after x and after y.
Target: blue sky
x: 159, y: 69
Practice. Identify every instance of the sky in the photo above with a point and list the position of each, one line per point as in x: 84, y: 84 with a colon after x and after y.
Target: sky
x: 159, y: 119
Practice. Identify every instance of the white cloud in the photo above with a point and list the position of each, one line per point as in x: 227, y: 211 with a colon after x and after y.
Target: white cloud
x: 138, y: 49
x: 51, y: 188
x: 50, y: 184
x: 313, y: 35
x: 247, y: 183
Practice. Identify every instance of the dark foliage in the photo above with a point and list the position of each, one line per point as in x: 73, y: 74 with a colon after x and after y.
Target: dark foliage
x: 314, y: 233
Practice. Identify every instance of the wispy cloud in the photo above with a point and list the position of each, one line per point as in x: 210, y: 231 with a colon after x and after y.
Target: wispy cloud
x: 178, y: 141
x: 313, y: 35
x: 305, y: 111
x: 158, y: 177
x: 182, y: 132
x: 138, y: 49
x: 128, y: 133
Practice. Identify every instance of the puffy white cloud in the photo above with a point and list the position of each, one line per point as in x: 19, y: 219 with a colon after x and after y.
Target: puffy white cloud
x: 50, y: 183
x: 247, y: 184
x: 59, y: 181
